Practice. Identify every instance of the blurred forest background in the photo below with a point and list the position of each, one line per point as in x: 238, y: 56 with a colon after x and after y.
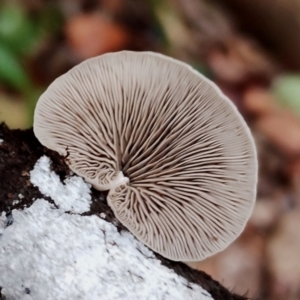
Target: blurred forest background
x: 250, y: 48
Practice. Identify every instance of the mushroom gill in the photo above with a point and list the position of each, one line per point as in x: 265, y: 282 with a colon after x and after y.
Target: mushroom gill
x: 177, y: 158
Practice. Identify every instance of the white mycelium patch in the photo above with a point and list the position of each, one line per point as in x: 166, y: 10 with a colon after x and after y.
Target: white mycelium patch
x: 73, y: 195
x: 47, y: 253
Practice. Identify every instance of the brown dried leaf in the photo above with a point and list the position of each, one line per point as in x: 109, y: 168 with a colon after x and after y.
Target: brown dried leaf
x: 94, y: 34
x: 282, y: 129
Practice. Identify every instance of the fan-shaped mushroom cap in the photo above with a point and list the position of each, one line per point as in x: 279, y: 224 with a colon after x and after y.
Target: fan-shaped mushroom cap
x: 176, y: 156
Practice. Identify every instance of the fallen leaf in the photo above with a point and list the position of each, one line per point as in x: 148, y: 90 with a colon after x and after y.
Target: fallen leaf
x: 258, y: 100
x: 283, y: 130
x: 94, y: 34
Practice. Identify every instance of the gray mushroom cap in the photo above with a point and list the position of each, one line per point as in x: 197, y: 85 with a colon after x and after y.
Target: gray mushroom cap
x: 177, y: 158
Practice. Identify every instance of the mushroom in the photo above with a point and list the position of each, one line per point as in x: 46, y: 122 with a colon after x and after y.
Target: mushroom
x: 176, y: 156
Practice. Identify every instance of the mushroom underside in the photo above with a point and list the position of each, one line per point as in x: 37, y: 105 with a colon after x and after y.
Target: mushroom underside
x: 177, y: 158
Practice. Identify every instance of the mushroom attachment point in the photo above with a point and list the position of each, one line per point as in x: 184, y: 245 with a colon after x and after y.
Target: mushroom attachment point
x: 176, y: 156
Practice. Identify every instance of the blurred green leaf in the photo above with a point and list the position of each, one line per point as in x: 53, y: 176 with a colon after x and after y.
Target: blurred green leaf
x: 11, y: 20
x: 13, y: 74
x: 11, y: 70
x: 286, y: 88
x: 17, y: 31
